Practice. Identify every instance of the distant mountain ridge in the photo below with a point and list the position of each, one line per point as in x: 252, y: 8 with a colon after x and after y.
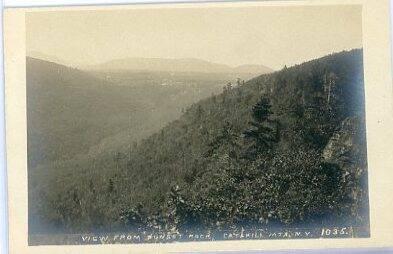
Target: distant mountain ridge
x: 175, y: 65
x: 49, y: 58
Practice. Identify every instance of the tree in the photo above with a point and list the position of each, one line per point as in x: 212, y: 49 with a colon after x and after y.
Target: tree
x: 263, y: 132
x: 182, y: 214
x: 329, y: 85
x: 133, y: 217
x: 227, y: 141
x: 110, y: 185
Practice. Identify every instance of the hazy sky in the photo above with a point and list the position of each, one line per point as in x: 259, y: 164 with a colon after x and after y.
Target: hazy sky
x: 272, y: 36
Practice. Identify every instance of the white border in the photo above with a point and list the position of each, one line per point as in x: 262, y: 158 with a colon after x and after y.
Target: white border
x: 36, y: 3
x: 3, y: 175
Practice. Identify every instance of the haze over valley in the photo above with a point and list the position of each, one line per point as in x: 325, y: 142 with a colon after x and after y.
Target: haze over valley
x: 114, y: 104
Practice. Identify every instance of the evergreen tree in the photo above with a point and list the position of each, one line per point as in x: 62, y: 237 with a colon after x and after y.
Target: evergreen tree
x: 263, y: 131
x: 110, y: 185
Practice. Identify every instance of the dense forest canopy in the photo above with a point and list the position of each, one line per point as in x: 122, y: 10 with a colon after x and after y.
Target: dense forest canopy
x: 282, y: 149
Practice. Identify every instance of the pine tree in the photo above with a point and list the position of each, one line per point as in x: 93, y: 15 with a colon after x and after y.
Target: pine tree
x: 263, y: 131
x: 110, y: 185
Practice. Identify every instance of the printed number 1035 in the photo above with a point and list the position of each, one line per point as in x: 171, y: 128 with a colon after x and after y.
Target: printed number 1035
x: 335, y: 231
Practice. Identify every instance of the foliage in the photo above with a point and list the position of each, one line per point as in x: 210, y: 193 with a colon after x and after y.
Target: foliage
x: 262, y: 134
x: 267, y: 152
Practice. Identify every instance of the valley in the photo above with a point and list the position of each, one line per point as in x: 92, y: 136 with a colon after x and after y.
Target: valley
x: 178, y: 153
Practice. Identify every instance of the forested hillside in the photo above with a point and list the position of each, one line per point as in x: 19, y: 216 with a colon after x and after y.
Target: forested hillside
x: 71, y: 112
x: 282, y: 149
x: 76, y: 118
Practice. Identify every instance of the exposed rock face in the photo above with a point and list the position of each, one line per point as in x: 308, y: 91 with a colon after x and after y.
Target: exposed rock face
x: 348, y: 145
x: 347, y: 149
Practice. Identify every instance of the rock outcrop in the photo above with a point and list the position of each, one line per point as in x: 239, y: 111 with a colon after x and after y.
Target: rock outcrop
x: 347, y: 146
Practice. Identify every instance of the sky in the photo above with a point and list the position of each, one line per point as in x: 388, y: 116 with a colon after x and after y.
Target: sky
x: 269, y: 35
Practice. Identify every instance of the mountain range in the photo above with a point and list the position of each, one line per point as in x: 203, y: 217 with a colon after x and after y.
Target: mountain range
x: 175, y: 65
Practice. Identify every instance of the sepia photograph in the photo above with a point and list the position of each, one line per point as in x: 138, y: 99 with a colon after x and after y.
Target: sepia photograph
x: 198, y: 127
x: 195, y: 124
